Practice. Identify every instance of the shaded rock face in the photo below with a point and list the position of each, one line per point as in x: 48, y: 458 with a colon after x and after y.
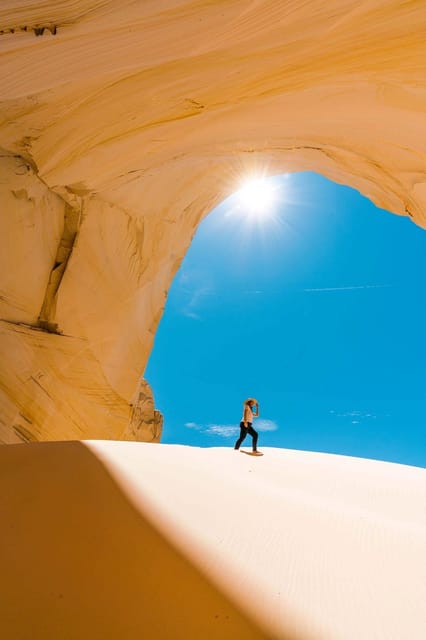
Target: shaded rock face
x: 123, y: 124
x: 59, y: 376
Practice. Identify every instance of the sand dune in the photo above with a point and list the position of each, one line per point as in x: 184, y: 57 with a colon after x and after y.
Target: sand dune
x: 130, y: 540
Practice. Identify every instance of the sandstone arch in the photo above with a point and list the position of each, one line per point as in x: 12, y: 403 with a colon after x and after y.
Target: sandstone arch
x: 123, y: 124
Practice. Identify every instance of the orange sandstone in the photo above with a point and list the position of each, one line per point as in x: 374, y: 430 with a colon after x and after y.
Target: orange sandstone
x: 124, y: 123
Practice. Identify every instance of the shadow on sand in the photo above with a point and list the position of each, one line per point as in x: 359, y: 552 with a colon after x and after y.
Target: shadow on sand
x: 79, y: 561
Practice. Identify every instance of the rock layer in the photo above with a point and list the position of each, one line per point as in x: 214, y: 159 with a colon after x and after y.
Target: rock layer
x: 123, y: 124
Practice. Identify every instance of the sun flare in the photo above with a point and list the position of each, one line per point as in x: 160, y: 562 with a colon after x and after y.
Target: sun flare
x: 257, y: 198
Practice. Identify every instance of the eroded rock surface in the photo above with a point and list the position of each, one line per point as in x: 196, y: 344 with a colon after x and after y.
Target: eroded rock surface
x: 124, y: 123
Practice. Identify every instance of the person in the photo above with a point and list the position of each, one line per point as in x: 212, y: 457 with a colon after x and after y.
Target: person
x: 250, y: 411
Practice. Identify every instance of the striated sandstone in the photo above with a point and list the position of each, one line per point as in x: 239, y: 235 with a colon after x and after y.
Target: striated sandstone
x: 123, y: 123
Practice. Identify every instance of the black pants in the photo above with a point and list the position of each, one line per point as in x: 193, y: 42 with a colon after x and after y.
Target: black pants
x: 243, y: 432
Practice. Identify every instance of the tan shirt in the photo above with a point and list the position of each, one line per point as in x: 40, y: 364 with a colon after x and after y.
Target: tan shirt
x: 247, y: 415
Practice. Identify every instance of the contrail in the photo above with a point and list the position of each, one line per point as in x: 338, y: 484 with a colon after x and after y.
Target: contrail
x: 363, y: 286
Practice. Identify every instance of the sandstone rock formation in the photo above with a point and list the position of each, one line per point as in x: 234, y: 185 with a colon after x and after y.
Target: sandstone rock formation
x: 124, y: 123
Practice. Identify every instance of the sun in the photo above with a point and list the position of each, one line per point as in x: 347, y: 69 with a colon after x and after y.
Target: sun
x: 256, y: 198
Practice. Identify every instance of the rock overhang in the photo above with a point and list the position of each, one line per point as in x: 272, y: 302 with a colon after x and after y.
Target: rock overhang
x: 132, y: 121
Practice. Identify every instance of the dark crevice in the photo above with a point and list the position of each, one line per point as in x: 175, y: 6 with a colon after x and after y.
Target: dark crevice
x: 37, y: 29
x: 22, y: 433
x: 66, y: 244
x: 72, y: 219
x: 34, y: 327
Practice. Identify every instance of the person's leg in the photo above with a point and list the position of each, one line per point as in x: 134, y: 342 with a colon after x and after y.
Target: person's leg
x: 254, y: 435
x: 243, y: 433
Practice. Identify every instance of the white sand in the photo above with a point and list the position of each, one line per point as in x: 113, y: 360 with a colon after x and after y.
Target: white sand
x: 305, y: 545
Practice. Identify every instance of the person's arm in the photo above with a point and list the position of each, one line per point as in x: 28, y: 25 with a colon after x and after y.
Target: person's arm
x: 256, y: 415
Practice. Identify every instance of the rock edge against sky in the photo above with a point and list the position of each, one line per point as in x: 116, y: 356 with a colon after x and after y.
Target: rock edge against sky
x: 123, y: 124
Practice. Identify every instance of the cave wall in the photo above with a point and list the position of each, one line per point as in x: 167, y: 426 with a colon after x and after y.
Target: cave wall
x: 122, y: 124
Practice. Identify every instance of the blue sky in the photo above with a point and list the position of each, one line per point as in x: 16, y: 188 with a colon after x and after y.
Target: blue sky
x: 318, y: 311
